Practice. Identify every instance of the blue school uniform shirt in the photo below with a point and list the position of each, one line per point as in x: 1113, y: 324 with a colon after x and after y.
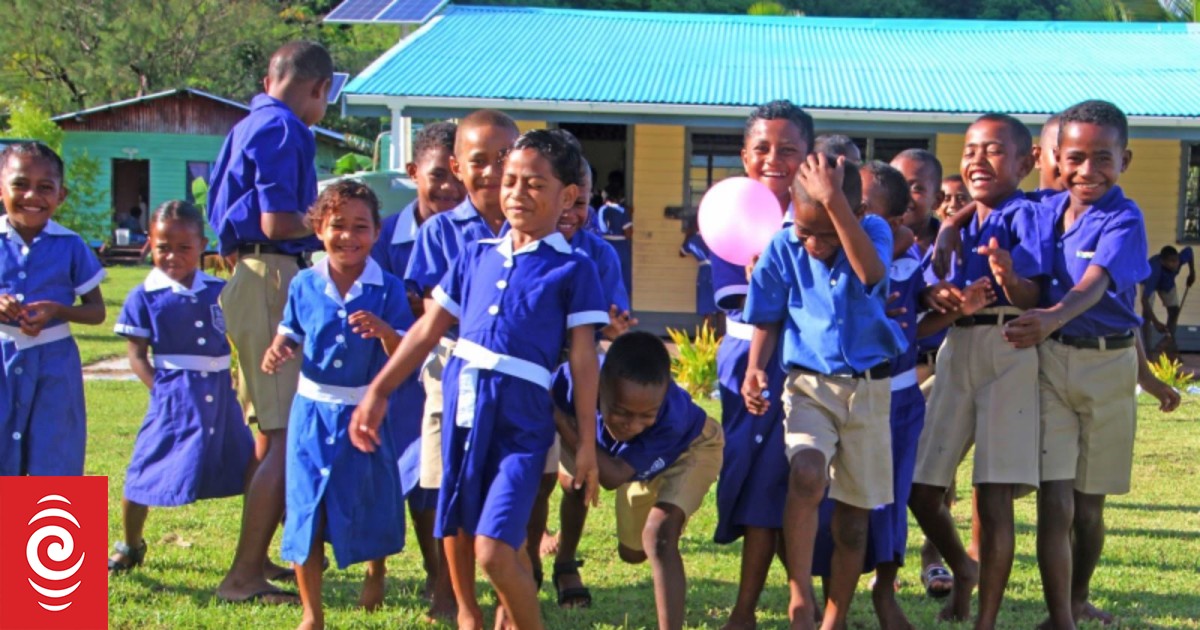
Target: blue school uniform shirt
x: 396, y: 240
x: 608, y: 266
x: 906, y: 277
x: 1161, y: 279
x: 267, y: 164
x: 1111, y: 234
x: 57, y: 266
x: 195, y: 325
x: 611, y: 220
x: 440, y: 241
x: 678, y: 423
x: 832, y: 322
x: 1020, y: 226
x: 316, y: 317
x: 516, y: 302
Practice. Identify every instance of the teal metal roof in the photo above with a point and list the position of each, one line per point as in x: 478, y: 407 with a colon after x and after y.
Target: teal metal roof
x: 951, y: 66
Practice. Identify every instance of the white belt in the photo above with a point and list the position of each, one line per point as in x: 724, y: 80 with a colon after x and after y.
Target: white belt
x: 479, y: 358
x: 336, y: 394
x: 739, y: 330
x: 191, y: 362
x: 22, y: 341
x: 904, y: 380
x: 613, y: 237
x: 705, y: 262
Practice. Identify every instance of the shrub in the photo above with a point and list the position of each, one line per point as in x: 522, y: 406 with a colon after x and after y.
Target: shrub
x: 1172, y: 372
x: 695, y: 367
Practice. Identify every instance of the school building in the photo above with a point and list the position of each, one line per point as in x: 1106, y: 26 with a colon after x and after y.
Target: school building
x: 661, y: 98
x: 152, y: 148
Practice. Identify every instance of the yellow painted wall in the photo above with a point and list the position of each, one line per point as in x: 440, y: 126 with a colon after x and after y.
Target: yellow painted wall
x: 529, y: 125
x: 662, y: 280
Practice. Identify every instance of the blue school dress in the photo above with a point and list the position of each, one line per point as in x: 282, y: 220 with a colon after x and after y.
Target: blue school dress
x: 753, y: 483
x: 194, y: 443
x: 514, y: 309
x: 887, y: 536
x: 397, y: 238
x: 608, y: 266
x: 611, y: 221
x: 360, y: 493
x: 694, y: 246
x: 42, y: 413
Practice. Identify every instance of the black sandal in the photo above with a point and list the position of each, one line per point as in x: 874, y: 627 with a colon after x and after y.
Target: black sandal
x: 578, y: 596
x: 133, y: 557
x: 539, y: 576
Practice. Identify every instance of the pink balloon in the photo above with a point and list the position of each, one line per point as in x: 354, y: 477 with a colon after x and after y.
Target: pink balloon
x: 737, y: 218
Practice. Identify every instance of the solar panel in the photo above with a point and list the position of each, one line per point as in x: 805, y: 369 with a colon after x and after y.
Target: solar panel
x: 410, y: 11
x: 339, y: 82
x: 357, y: 11
x: 385, y: 11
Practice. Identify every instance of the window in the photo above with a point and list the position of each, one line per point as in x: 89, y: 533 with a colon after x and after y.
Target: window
x: 714, y: 157
x: 197, y: 192
x: 1191, y: 195
x: 884, y: 149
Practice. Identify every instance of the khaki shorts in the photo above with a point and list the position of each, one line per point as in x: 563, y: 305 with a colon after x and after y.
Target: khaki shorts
x: 431, y: 421
x: 553, y: 457
x: 253, y: 301
x: 986, y: 395
x: 683, y: 484
x: 1170, y: 299
x: 1089, y: 416
x: 847, y: 420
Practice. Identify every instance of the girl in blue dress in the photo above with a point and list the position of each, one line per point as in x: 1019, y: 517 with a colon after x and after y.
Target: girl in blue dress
x: 194, y: 443
x: 518, y: 299
x: 44, y: 269
x: 343, y: 315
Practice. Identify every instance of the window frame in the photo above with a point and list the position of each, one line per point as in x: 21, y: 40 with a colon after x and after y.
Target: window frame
x: 1189, y: 153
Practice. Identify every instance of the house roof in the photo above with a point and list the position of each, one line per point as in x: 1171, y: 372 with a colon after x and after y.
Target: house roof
x: 642, y: 63
x: 320, y: 131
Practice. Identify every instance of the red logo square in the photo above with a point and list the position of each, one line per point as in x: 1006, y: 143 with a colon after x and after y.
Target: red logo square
x: 53, y: 553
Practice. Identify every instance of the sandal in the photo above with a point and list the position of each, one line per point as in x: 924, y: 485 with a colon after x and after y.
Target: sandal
x: 539, y: 576
x: 577, y: 596
x: 134, y: 556
x: 938, y: 581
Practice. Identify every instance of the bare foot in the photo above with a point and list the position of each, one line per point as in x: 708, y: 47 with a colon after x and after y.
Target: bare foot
x: 738, y: 621
x: 888, y: 611
x: 549, y: 545
x: 502, y: 620
x: 1089, y: 612
x: 442, y: 610
x: 309, y: 624
x: 959, y: 606
x: 470, y: 619
x: 371, y: 597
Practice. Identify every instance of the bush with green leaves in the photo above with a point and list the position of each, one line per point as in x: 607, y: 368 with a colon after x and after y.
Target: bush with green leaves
x: 695, y: 366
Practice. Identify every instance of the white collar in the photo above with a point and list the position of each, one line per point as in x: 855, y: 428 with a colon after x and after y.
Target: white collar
x: 406, y: 226
x: 159, y: 280
x: 372, y: 274
x: 554, y: 240
x: 789, y: 216
x: 52, y: 228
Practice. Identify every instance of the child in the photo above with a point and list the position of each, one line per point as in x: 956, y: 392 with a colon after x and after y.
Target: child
x: 693, y: 245
x: 838, y: 144
x: 753, y: 481
x: 922, y: 170
x: 825, y: 281
x: 1085, y: 333
x: 954, y: 196
x: 1045, y: 156
x: 518, y: 299
x: 614, y: 224
x: 194, y: 443
x: 1164, y: 268
x: 263, y: 181
x: 44, y: 268
x: 655, y: 447
x: 334, y: 316
x: 437, y: 191
x: 986, y: 391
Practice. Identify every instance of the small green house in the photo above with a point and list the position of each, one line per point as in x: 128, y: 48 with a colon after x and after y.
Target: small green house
x: 153, y: 147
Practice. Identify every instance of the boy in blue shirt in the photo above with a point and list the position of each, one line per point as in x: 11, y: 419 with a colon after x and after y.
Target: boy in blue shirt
x: 1164, y: 268
x: 656, y: 448
x: 1085, y: 332
x: 262, y: 184
x: 823, y: 284
x: 986, y: 390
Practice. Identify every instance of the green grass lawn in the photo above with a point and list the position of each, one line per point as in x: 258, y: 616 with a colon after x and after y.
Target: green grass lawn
x: 1149, y: 578
x: 97, y: 343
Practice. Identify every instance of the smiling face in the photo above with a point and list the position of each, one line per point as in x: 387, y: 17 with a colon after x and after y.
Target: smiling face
x: 576, y: 216
x: 32, y: 189
x: 437, y: 188
x: 772, y: 153
x: 1047, y: 163
x: 954, y: 197
x: 922, y: 190
x: 533, y: 197
x: 348, y: 233
x: 1090, y: 160
x: 991, y: 166
x: 630, y: 408
x: 478, y: 162
x: 176, y: 247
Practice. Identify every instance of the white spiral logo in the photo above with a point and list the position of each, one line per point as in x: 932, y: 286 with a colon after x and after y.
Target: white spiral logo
x: 59, y: 551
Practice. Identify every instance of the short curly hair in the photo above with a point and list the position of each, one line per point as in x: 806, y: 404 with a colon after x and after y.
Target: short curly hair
x: 338, y: 193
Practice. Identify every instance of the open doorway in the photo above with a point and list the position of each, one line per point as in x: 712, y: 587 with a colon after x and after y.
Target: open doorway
x: 131, y: 188
x: 606, y: 148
